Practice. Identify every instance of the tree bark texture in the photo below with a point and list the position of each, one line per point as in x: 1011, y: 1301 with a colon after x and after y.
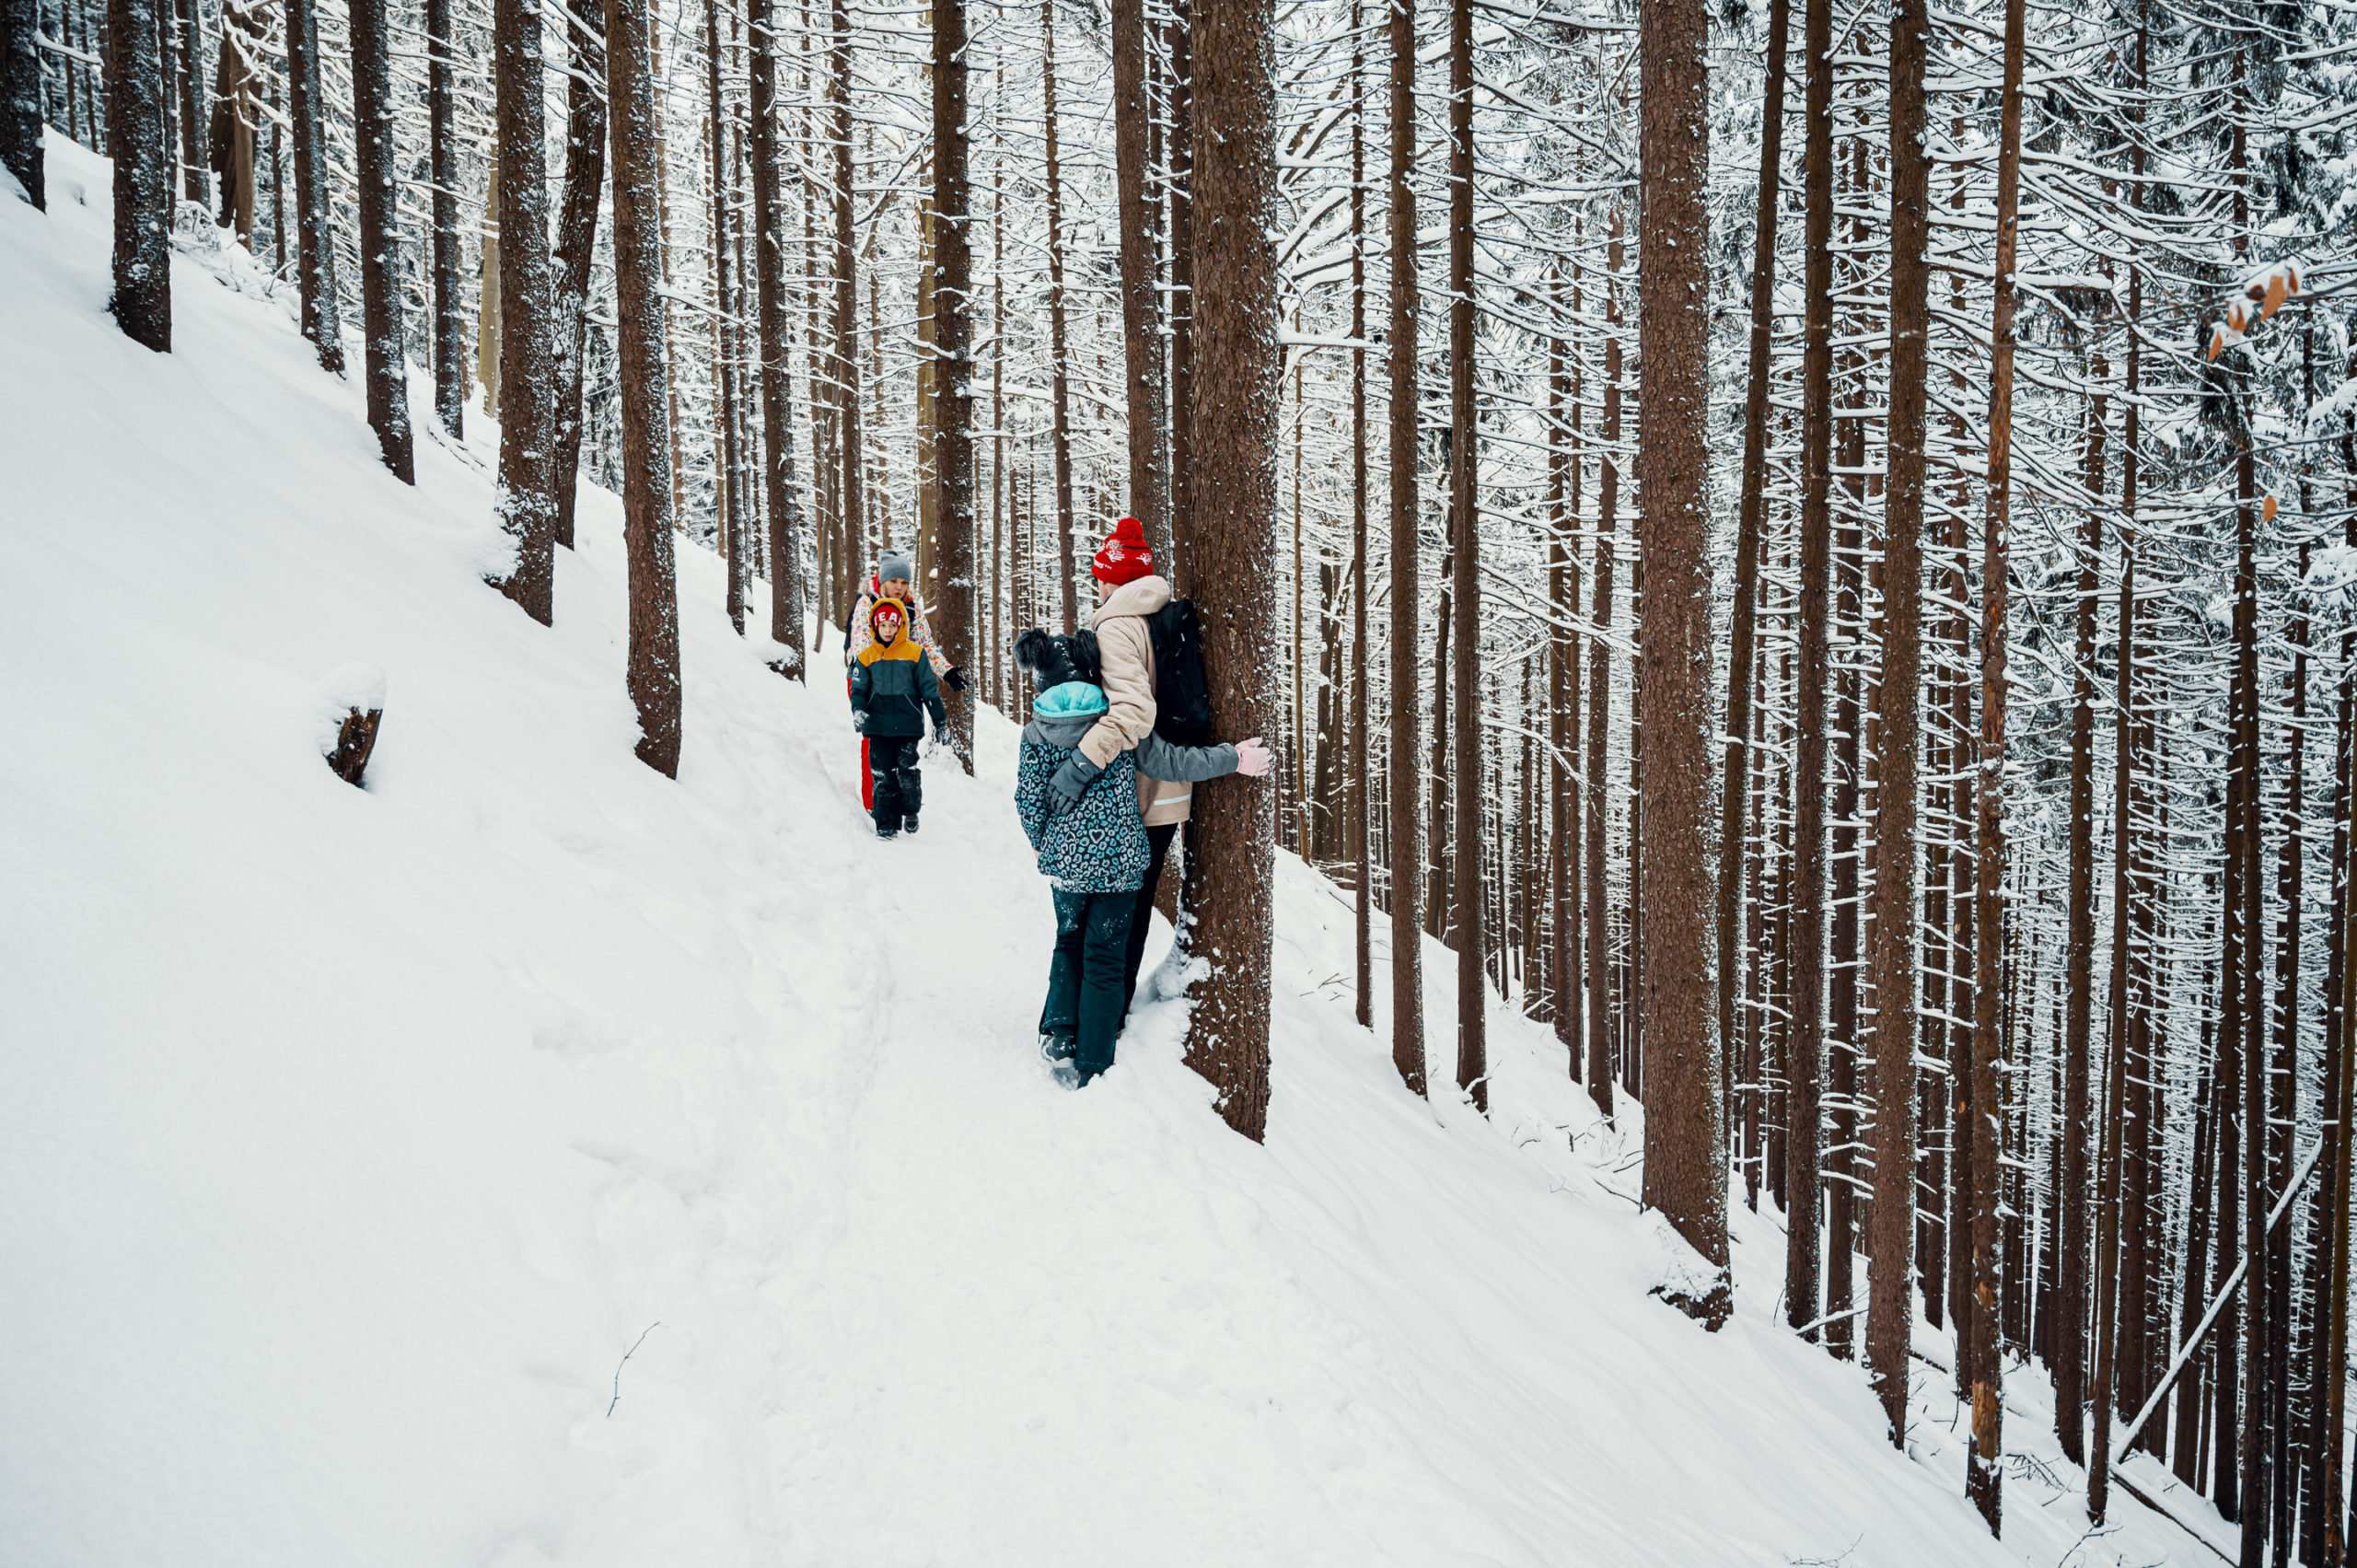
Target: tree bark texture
x: 1891, y: 1226
x: 321, y: 314
x: 380, y: 296
x: 788, y: 595
x: 953, y: 348
x: 1403, y: 780
x: 1804, y: 1041
x: 1984, y: 1475
x: 442, y: 157
x: 576, y: 241
x: 1684, y: 1172
x: 527, y: 498
x: 1141, y: 302
x: 1465, y: 591
x: 139, y: 137
x: 654, y: 663
x: 21, y: 115
x: 1232, y: 543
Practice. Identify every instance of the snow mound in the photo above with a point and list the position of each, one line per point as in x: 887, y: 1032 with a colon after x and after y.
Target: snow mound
x: 530, y: 1159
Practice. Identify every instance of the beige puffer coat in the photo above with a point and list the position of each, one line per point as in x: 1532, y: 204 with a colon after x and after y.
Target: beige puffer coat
x: 1127, y: 650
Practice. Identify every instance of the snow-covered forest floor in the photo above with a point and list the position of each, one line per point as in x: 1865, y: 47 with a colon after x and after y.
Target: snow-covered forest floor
x: 349, y: 1140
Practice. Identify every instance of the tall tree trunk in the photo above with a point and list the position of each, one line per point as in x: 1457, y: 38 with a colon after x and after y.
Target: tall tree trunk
x: 1231, y: 544
x: 1685, y: 1149
x: 2243, y: 844
x: 380, y: 296
x: 853, y: 501
x: 21, y: 110
x: 1465, y: 591
x: 1402, y: 782
x: 1600, y: 705
x: 442, y: 158
x: 731, y: 529
x: 1141, y: 302
x: 1060, y: 367
x: 2068, y: 1356
x: 139, y: 137
x: 315, y: 255
x: 787, y: 605
x: 953, y: 339
x: 653, y: 667
x: 190, y: 31
x: 1804, y: 1053
x: 1361, y: 780
x: 1564, y: 679
x: 1983, y: 1472
x: 577, y: 231
x: 1179, y: 45
x: 1898, y: 702
x: 527, y: 499
x: 1741, y: 637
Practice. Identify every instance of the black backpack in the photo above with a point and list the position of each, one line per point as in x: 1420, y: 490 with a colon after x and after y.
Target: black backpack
x: 1182, y: 697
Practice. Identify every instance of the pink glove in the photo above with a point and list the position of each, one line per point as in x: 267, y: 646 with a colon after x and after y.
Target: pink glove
x: 1251, y: 757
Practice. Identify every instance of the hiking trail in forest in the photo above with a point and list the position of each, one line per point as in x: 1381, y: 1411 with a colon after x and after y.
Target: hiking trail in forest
x: 350, y: 1141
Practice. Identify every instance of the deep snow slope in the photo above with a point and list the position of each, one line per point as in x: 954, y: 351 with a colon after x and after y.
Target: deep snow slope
x: 349, y: 1140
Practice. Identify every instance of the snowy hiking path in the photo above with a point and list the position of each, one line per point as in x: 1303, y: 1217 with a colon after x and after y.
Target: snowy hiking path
x: 348, y: 1140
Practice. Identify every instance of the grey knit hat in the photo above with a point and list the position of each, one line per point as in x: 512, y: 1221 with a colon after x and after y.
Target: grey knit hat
x: 895, y: 563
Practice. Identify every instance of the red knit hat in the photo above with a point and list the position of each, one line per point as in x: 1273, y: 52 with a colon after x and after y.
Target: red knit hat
x: 1125, y: 558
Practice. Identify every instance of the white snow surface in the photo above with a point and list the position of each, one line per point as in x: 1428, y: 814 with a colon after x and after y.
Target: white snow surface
x: 349, y: 1139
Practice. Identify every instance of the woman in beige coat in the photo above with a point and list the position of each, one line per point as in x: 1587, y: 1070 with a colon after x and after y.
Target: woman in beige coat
x: 1127, y: 592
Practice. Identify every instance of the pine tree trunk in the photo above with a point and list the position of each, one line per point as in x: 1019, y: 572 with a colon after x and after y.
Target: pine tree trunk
x: 449, y: 307
x: 1741, y: 637
x: 1178, y: 42
x: 1898, y: 700
x: 1685, y: 1171
x: 576, y: 230
x: 315, y: 253
x: 2069, y: 1357
x: 527, y: 497
x: 788, y: 608
x: 1600, y: 705
x: 1231, y: 545
x: 1983, y: 1472
x: 1805, y: 1052
x: 189, y: 47
x: 654, y: 667
x: 1140, y: 303
x: 380, y: 298
x: 1403, y: 780
x: 138, y: 135
x: 731, y: 516
x: 852, y: 501
x: 1059, y: 355
x: 953, y: 339
x: 1362, y: 779
x: 22, y: 109
x: 1465, y: 591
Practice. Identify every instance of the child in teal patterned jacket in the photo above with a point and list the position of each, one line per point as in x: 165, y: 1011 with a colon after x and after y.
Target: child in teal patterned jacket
x: 1093, y: 851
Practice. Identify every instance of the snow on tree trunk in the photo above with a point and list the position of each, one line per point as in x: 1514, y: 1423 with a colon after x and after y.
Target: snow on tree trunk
x: 527, y: 502
x: 1685, y: 1152
x: 21, y: 152
x: 788, y: 594
x: 952, y: 586
x: 315, y: 253
x: 1405, y: 780
x: 442, y: 157
x: 585, y: 174
x: 375, y: 171
x: 654, y: 663
x: 139, y: 137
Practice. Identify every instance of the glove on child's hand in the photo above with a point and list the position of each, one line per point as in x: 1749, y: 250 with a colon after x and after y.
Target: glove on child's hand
x: 954, y: 678
x: 1071, y: 780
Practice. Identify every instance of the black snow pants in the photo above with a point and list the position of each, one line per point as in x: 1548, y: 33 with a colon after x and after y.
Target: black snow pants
x: 900, y: 788
x: 1085, y: 1003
